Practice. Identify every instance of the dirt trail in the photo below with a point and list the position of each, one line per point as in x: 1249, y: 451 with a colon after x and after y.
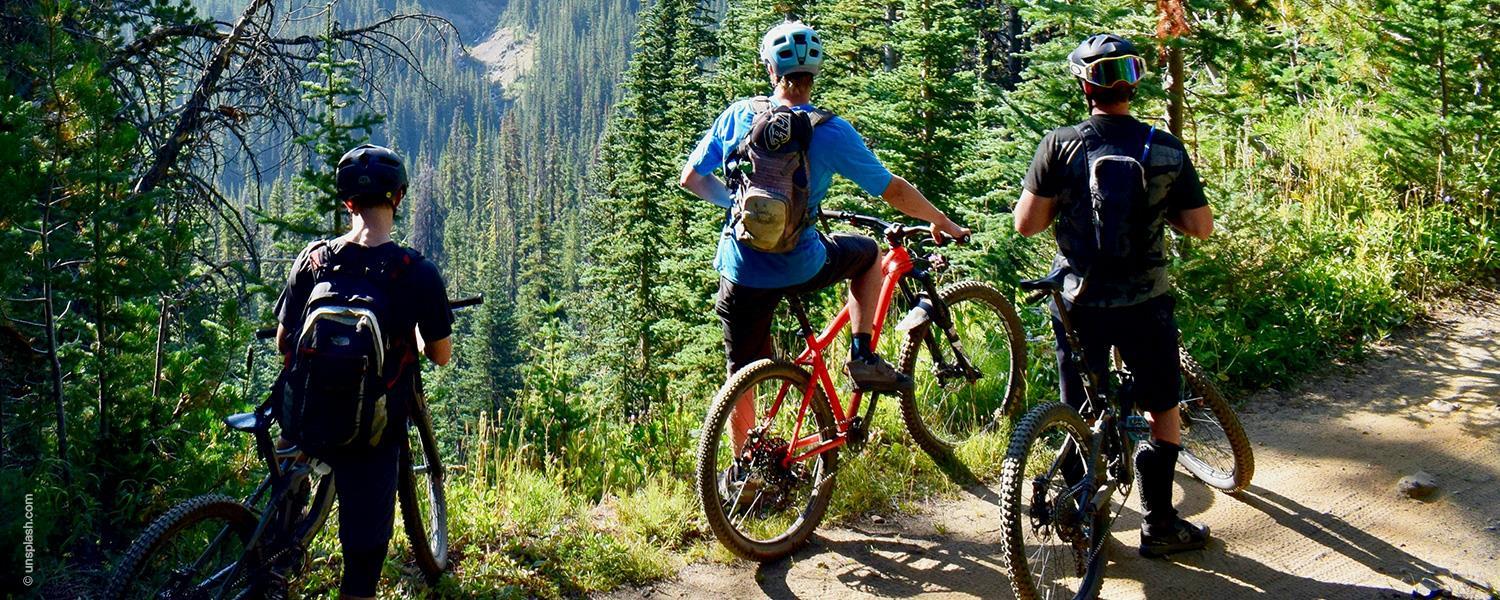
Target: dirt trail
x: 1321, y: 520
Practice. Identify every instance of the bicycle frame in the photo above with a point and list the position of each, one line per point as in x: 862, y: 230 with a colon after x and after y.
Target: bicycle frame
x: 894, y: 265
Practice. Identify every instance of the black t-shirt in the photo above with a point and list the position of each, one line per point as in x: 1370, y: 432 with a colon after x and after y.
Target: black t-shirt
x: 418, y: 299
x: 1059, y: 171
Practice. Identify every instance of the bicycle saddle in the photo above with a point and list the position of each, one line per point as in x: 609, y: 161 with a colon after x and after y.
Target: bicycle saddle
x: 1053, y: 282
x: 249, y: 422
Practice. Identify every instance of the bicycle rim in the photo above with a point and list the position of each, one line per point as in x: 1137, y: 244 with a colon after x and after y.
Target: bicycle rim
x: 956, y: 414
x: 424, y: 505
x: 758, y: 507
x: 189, y: 552
x: 1052, y: 549
x: 1215, y: 447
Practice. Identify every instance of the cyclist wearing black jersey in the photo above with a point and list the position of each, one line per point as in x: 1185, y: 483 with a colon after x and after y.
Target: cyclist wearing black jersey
x: 1124, y: 304
x: 372, y: 181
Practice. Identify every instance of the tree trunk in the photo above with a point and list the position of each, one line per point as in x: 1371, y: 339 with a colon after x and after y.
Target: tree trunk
x: 49, y: 322
x: 890, y: 51
x: 1176, y: 91
x: 161, y: 346
x: 197, y: 104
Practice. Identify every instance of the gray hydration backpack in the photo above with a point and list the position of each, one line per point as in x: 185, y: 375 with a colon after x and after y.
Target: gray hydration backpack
x: 343, y: 365
x: 1117, y: 198
x: 768, y: 175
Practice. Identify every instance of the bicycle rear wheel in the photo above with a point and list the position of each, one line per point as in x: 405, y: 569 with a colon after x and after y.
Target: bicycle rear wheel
x: 1052, y: 547
x: 759, y: 508
x: 1215, y: 448
x: 189, y: 552
x: 424, y: 505
x: 953, y: 413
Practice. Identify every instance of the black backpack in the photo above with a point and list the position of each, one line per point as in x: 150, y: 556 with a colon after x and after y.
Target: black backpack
x: 1118, y: 207
x: 335, y: 392
x: 768, y: 174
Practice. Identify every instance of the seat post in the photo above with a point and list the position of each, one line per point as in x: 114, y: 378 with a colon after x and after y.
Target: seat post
x: 799, y: 310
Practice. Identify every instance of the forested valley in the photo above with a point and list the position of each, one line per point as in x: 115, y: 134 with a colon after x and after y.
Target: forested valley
x: 162, y: 163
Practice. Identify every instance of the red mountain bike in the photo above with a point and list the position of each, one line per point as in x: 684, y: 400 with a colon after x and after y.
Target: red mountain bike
x: 964, y: 347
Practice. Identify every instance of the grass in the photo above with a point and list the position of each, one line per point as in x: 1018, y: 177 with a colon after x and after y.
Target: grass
x: 1315, y: 257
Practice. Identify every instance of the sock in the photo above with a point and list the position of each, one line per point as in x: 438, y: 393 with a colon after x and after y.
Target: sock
x: 859, y: 348
x: 1155, y: 466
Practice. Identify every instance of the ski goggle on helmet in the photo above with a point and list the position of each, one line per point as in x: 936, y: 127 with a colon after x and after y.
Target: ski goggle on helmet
x: 1111, y: 71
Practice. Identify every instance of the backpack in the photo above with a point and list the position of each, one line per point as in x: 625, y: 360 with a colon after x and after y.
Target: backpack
x: 1117, y: 198
x: 335, y: 392
x: 768, y: 174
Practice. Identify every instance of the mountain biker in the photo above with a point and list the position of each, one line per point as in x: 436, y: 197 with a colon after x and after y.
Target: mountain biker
x: 1125, y: 302
x: 752, y: 282
x: 372, y: 181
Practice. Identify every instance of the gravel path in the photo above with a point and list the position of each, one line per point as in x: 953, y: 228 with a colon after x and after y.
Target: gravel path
x: 1322, y: 519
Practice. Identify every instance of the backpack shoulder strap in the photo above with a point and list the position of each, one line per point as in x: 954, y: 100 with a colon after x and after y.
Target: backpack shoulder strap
x: 760, y: 104
x: 320, y: 257
x: 819, y: 116
x: 1092, y: 140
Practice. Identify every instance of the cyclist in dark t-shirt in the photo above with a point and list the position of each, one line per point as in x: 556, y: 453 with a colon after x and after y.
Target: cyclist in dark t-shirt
x: 373, y: 181
x: 1124, y: 304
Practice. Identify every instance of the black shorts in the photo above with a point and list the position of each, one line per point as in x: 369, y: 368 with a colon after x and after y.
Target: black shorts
x: 1146, y: 335
x: 746, y: 312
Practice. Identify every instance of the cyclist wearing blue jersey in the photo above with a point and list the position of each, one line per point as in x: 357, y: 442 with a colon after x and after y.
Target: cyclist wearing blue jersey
x: 752, y: 282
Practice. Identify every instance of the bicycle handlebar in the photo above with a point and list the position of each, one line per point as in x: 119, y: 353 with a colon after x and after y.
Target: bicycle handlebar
x: 893, y: 232
x: 270, y: 332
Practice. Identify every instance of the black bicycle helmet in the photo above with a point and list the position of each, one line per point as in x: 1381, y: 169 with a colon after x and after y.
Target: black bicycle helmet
x: 1103, y: 45
x: 370, y: 173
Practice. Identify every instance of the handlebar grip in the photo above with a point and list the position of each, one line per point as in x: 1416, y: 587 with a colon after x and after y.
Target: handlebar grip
x: 466, y: 302
x: 265, y: 334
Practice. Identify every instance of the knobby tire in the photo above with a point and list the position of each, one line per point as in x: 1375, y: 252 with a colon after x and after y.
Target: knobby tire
x: 707, y: 476
x: 234, y: 515
x: 957, y: 294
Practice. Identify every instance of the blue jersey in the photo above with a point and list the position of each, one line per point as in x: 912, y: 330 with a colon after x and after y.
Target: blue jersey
x: 836, y: 148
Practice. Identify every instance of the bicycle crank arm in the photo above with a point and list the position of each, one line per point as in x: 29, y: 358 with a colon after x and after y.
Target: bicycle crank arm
x: 1102, y: 497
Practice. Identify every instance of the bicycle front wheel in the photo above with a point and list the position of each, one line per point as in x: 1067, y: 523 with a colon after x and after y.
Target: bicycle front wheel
x: 1052, y: 545
x: 192, y: 551
x: 424, y: 505
x: 963, y: 389
x: 1215, y: 448
x: 761, y: 506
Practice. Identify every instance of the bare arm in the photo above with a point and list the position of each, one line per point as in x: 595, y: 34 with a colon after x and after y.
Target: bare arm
x: 905, y: 197
x: 706, y: 187
x: 1034, y: 213
x: 1194, y: 222
x: 437, y: 351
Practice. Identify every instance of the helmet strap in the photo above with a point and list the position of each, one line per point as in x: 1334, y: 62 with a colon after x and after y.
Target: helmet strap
x: 1083, y: 87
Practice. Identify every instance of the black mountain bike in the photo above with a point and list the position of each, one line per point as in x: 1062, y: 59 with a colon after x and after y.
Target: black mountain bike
x: 214, y: 546
x: 1067, y: 473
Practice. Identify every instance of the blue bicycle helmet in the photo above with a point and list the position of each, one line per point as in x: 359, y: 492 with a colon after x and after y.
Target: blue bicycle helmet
x: 370, y: 172
x: 792, y: 47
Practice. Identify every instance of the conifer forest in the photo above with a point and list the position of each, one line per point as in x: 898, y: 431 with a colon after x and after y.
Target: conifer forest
x: 163, y: 161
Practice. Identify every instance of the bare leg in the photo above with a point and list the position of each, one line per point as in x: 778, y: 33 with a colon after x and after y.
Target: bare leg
x: 864, y: 296
x: 741, y: 421
x: 1166, y: 425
